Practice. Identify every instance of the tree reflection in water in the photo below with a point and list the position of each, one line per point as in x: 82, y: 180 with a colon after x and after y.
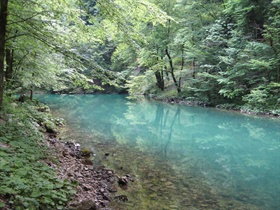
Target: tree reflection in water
x: 183, y: 156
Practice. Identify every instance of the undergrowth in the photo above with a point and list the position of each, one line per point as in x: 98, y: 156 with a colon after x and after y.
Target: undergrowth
x: 26, y: 182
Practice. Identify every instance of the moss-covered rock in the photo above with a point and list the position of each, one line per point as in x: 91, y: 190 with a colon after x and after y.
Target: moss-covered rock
x: 50, y: 126
x: 86, y: 152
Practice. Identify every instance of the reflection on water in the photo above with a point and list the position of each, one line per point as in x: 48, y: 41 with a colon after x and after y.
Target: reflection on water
x: 183, y: 157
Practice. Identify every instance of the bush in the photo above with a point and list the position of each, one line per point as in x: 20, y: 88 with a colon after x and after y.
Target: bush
x: 264, y: 98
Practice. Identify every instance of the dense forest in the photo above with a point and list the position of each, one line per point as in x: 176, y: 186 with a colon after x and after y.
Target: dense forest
x: 218, y: 52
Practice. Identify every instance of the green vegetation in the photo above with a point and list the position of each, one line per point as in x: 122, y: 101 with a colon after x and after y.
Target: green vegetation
x: 214, y: 52
x: 26, y: 181
x: 222, y: 53
x: 53, y: 45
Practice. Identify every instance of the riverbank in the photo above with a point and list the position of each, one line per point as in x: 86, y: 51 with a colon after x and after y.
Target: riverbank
x: 94, y: 183
x: 230, y: 107
x: 177, y: 155
x: 38, y: 170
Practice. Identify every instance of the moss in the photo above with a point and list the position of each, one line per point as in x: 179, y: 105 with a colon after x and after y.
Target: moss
x: 50, y: 126
x: 86, y: 152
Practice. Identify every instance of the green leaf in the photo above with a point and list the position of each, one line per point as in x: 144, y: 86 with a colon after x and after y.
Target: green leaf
x: 21, y: 172
x: 2, y: 204
x: 36, y: 194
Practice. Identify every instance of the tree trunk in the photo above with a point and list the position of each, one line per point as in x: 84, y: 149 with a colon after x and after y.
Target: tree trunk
x: 160, y: 80
x: 193, y: 68
x: 178, y: 86
x: 3, y: 25
x: 9, y: 62
x: 182, y: 66
x: 159, y: 77
x: 31, y: 94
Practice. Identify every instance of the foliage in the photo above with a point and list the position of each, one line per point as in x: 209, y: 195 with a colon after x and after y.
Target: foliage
x: 26, y: 180
x: 141, y: 84
x: 218, y: 52
x: 264, y: 98
x: 53, y: 45
x: 222, y: 52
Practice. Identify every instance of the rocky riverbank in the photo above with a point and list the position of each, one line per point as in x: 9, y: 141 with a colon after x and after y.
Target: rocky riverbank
x: 96, y: 185
x: 40, y: 171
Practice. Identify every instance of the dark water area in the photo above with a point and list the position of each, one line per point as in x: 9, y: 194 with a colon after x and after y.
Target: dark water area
x: 180, y: 157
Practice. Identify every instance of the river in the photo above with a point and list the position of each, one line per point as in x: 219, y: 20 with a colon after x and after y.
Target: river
x: 180, y: 157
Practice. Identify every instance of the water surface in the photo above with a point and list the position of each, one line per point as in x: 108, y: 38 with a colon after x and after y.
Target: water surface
x: 180, y: 157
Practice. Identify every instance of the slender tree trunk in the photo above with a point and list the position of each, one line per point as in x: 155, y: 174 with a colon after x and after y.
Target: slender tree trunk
x: 31, y: 90
x: 193, y: 68
x: 172, y: 70
x: 166, y: 72
x: 31, y: 94
x: 3, y: 25
x: 9, y: 63
x: 278, y: 75
x: 182, y: 65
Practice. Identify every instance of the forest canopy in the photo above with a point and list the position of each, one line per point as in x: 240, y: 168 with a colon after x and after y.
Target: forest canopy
x: 217, y: 52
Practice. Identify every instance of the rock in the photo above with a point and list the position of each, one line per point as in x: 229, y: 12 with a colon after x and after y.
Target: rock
x: 113, y: 189
x: 86, y: 152
x: 52, y: 141
x: 94, y: 182
x: 121, y: 198
x: 123, y: 180
x: 129, y: 177
x: 87, y: 187
x: 86, y: 205
x: 106, y: 197
x: 75, y: 149
x: 50, y: 127
x: 65, y: 153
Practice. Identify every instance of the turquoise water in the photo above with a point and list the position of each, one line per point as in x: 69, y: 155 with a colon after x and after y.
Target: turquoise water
x: 180, y: 157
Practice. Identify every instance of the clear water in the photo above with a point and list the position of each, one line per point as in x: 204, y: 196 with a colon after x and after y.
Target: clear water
x: 180, y: 157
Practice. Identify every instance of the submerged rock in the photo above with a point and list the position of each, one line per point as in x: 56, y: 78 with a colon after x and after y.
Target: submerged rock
x: 86, y: 152
x: 87, y: 161
x: 122, y: 198
x: 123, y: 181
x: 84, y: 205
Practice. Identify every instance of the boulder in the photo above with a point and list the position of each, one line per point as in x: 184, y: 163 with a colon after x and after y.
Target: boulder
x: 50, y: 127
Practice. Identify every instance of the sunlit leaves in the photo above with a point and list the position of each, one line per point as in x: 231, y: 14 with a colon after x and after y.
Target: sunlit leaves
x: 141, y: 84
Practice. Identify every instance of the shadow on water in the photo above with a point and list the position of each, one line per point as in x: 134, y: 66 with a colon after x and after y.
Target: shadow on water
x: 181, y: 157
